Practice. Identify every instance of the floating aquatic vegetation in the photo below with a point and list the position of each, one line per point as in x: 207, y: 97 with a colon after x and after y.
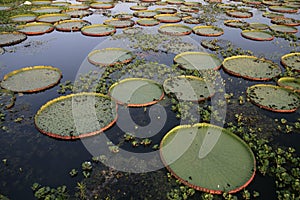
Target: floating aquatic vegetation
x: 292, y: 61
x: 145, y: 14
x: 189, y: 9
x: 110, y: 56
x: 197, y: 61
x: 283, y: 29
x: 272, y: 15
x: 229, y: 166
x: 79, y: 6
x: 192, y: 20
x: 118, y: 23
x: 187, y: 88
x: 36, y: 28
x: 138, y: 7
x: 132, y: 30
x: 147, y: 22
x: 283, y: 9
x: 258, y: 26
x: 11, y: 38
x: 31, y: 79
x: 291, y: 83
x: 98, y: 30
x: 166, y: 10
x: 52, y: 18
x: 60, y: 3
x: 136, y: 92
x: 271, y: 3
x: 40, y: 2
x: 175, y: 29
x: 7, y: 99
x: 258, y: 35
x: 175, y: 2
x: 274, y: 98
x: 76, y: 116
x: 123, y: 15
x: 78, y: 13
x: 23, y: 18
x: 251, y: 67
x: 167, y: 18
x: 102, y: 5
x: 71, y: 25
x: 285, y: 21
x: 209, y: 31
x: 210, y: 44
x: 239, y: 13
x: 236, y: 23
x: 47, y: 9
x: 253, y: 2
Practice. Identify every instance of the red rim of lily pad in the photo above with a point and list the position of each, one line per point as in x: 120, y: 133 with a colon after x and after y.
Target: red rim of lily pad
x: 213, y: 31
x: 292, y: 83
x: 17, y: 37
x: 65, y: 25
x: 98, y: 30
x: 44, y: 28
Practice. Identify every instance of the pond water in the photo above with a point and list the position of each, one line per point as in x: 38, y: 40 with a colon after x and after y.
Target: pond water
x: 30, y: 157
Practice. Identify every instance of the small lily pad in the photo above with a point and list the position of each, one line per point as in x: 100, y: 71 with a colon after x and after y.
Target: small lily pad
x: 274, y: 98
x: 258, y: 26
x: 291, y: 60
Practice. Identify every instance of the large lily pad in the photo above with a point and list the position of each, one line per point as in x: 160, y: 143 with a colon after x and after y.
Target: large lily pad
x: 257, y: 35
x: 78, y: 13
x: 119, y: 23
x: 209, y: 31
x: 168, y: 18
x: 239, y: 13
x: 147, y: 22
x: 145, y: 14
x: 48, y: 9
x: 102, y: 5
x: 283, y: 9
x: 136, y: 92
x: 23, y: 18
x: 208, y: 158
x: 36, y: 28
x: 251, y: 67
x: 283, y: 29
x: 110, y: 56
x: 197, y: 61
x: 76, y: 116
x: 11, y: 38
x: 187, y: 88
x: 31, y: 79
x: 285, y: 21
x: 166, y: 10
x: 98, y: 30
x: 71, y: 25
x: 236, y: 23
x: 175, y: 29
x: 52, y: 18
x: 291, y: 83
x: 274, y: 98
x: 291, y: 60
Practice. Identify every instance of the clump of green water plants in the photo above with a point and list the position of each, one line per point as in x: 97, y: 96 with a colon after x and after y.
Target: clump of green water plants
x: 46, y: 192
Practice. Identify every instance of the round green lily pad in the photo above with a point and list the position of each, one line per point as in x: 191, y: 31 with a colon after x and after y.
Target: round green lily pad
x: 110, y: 56
x: 132, y: 30
x: 102, y: 5
x: 145, y: 14
x: 31, y: 79
x: 7, y: 99
x: 258, y: 26
x: 147, y: 22
x: 40, y: 2
x: 23, y: 18
x: 209, y: 31
x: 272, y: 15
x: 11, y: 38
x: 52, y: 18
x: 239, y: 14
x: 175, y: 2
x: 208, y: 158
x: 136, y: 92
x: 258, y: 35
x: 71, y: 25
x: 187, y: 88
x: 271, y: 3
x: 138, y: 7
x: 197, y: 61
x: 274, y: 98
x: 167, y: 18
x: 48, y: 9
x: 166, y: 10
x: 189, y: 9
x: 192, y: 20
x: 79, y: 6
x: 283, y: 9
x: 60, y: 3
x: 236, y: 23
x: 175, y: 29
x: 119, y: 23
x: 291, y: 83
x: 253, y: 2
x: 285, y: 21
x: 123, y: 15
x: 78, y: 13
x: 283, y: 29
x: 251, y: 67
x: 291, y: 60
x: 76, y: 116
x: 36, y: 28
x: 98, y: 30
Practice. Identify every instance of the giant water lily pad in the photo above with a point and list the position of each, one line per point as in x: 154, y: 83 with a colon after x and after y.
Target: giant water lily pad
x: 119, y: 23
x: 102, y: 5
x: 283, y: 9
x: 136, y: 92
x: 110, y: 56
x: 78, y: 6
x: 71, y: 25
x: 291, y: 60
x: 239, y: 13
x: 258, y: 26
x: 147, y: 22
x: 36, y: 28
x: 76, y: 116
x: 197, y: 61
x: 283, y: 29
x: 7, y: 99
x: 11, y: 38
x: 285, y: 21
x: 98, y: 30
x: 236, y: 23
x: 23, y: 18
x: 291, y: 83
x: 274, y: 98
x: 145, y: 14
x: 187, y: 88
x: 78, y: 13
x: 52, y: 18
x: 251, y: 67
x: 175, y: 29
x: 31, y: 79
x: 166, y: 10
x: 258, y: 35
x: 168, y: 18
x: 48, y: 9
x: 209, y: 31
x: 208, y: 158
